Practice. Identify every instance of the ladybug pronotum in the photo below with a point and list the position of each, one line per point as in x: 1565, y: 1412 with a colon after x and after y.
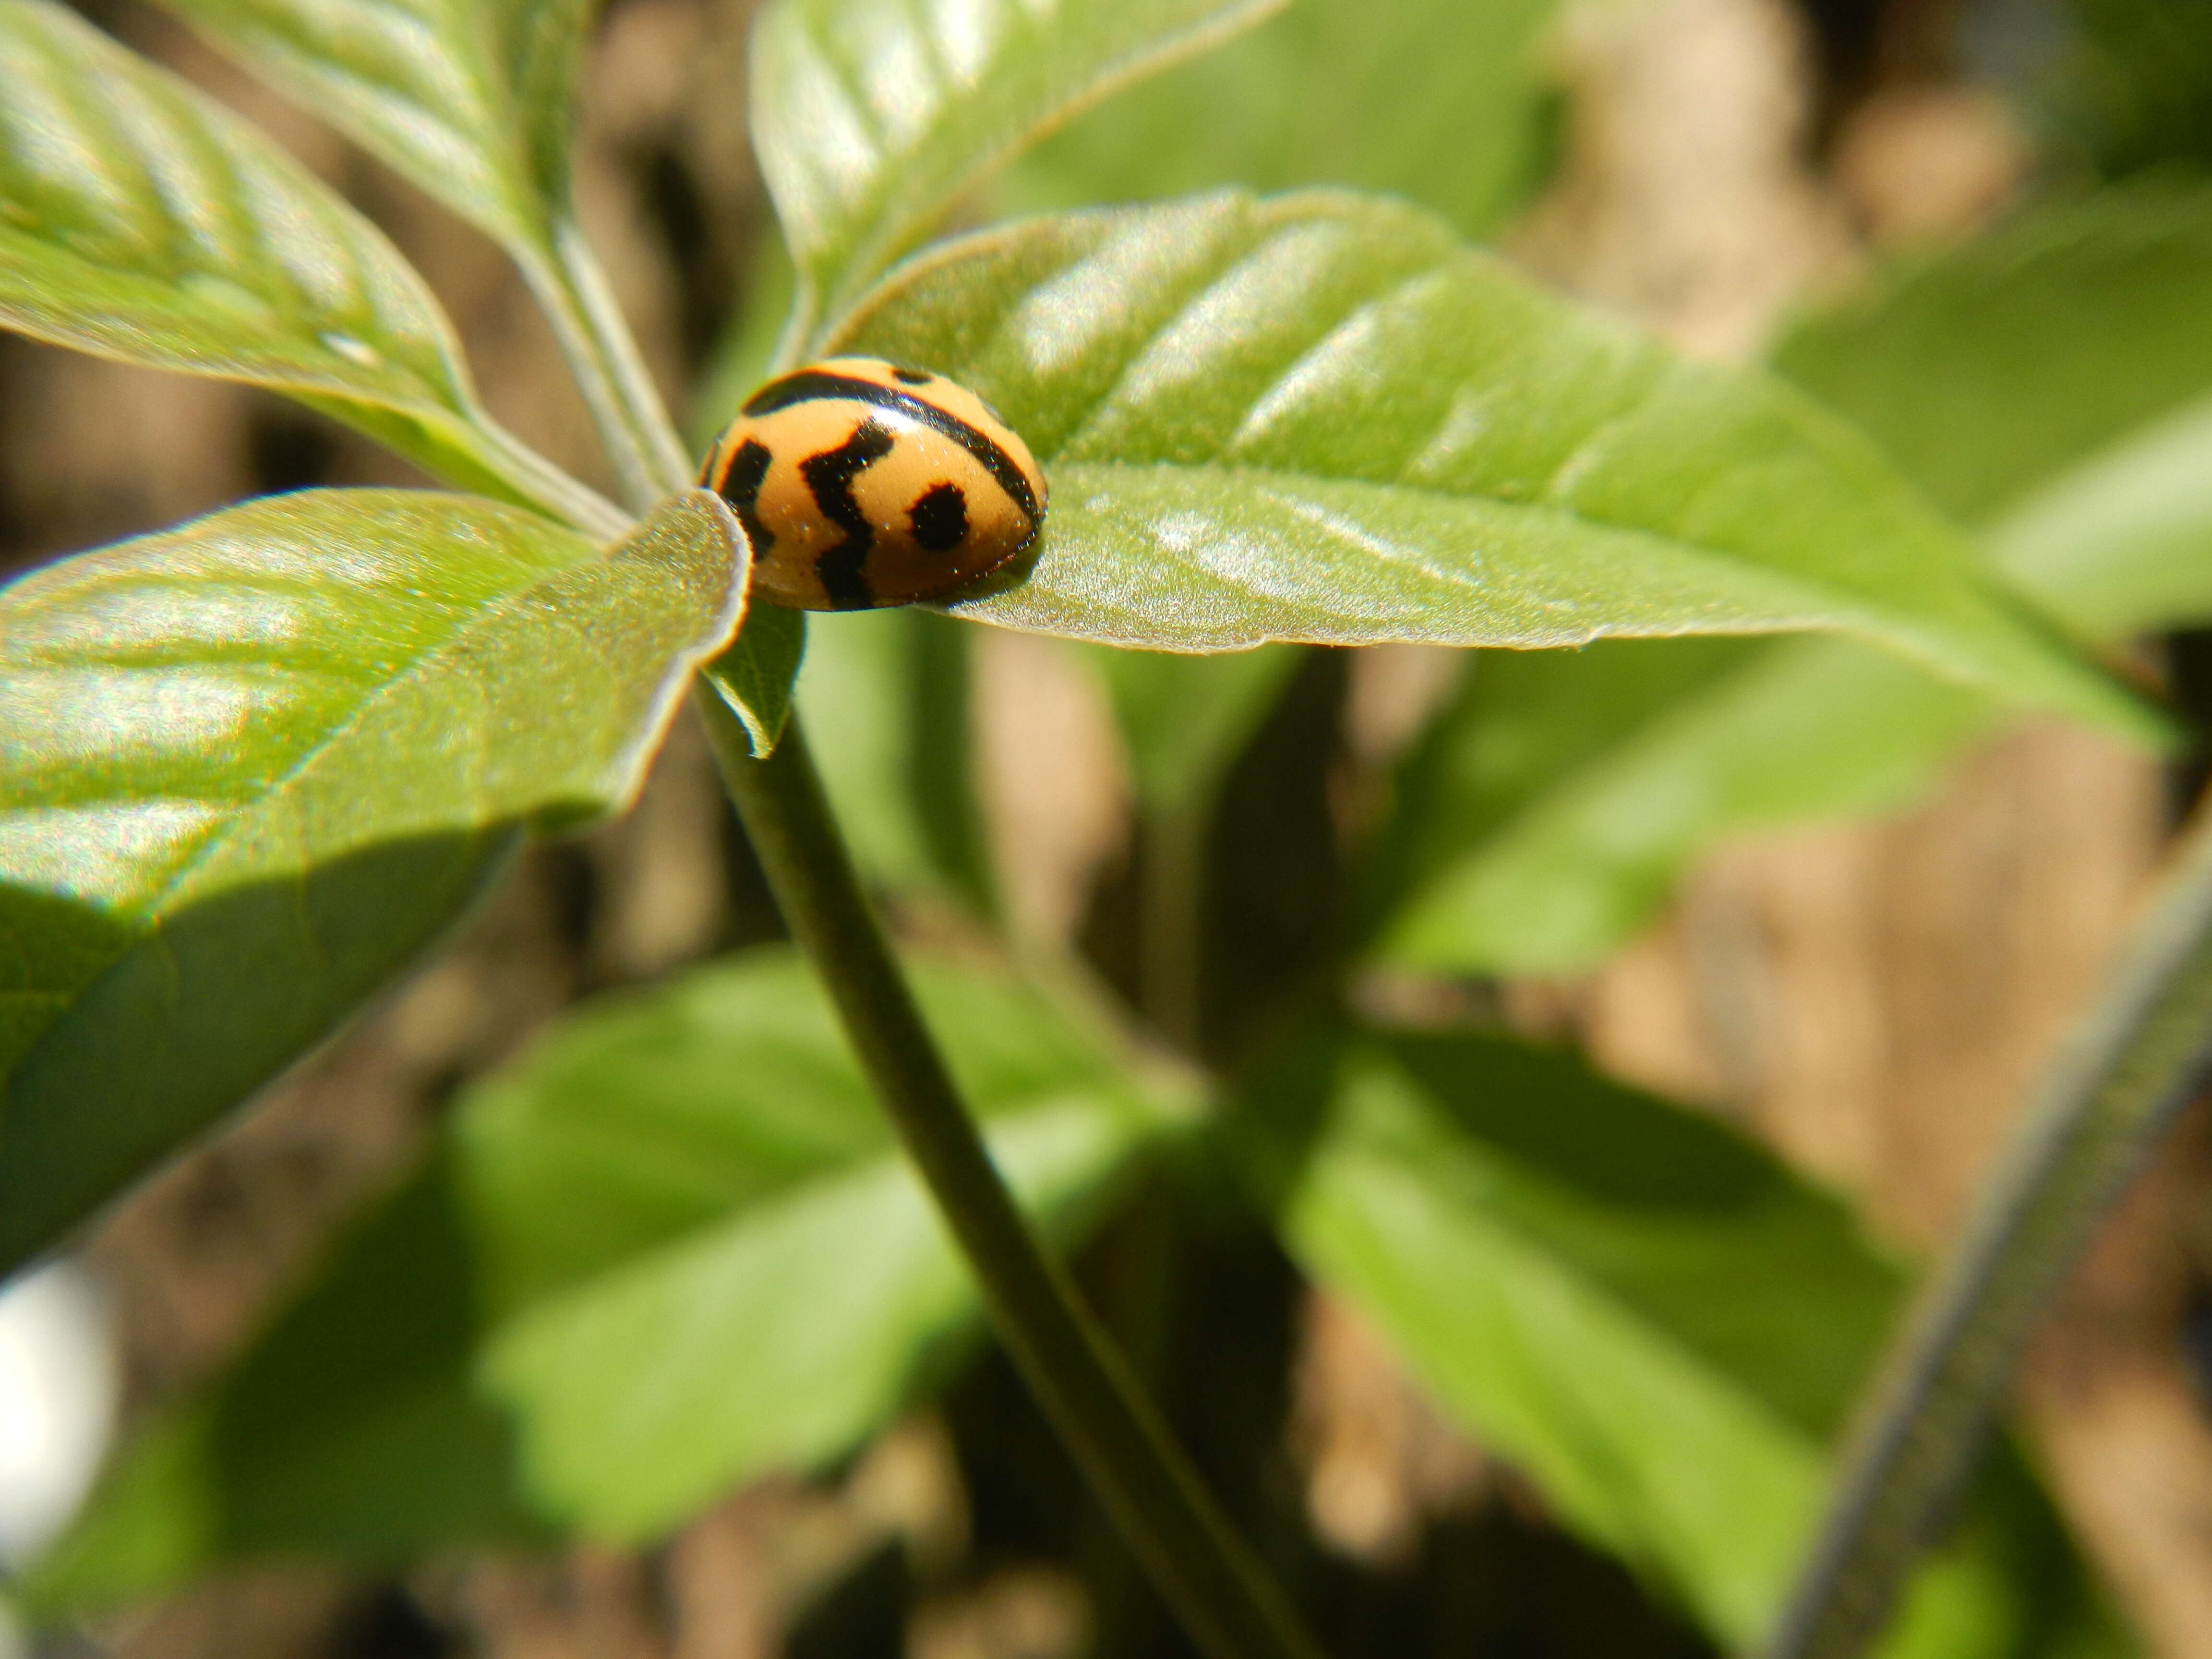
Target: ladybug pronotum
x: 863, y: 483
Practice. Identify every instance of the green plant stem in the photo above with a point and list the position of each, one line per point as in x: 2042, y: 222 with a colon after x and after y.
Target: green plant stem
x: 538, y: 480
x: 2134, y: 1063
x: 1124, y: 1450
x: 649, y: 458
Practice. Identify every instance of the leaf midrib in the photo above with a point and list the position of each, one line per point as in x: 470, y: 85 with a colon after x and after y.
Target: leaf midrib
x: 1115, y: 1109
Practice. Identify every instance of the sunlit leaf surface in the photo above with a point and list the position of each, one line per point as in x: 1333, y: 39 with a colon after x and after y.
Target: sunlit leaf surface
x: 2052, y: 382
x: 1323, y: 418
x: 140, y: 221
x: 871, y: 116
x: 715, y: 1259
x: 253, y: 766
x: 473, y: 100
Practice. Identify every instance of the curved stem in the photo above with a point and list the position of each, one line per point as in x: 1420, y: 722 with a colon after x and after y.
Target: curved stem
x: 2137, y: 1059
x: 1124, y: 1450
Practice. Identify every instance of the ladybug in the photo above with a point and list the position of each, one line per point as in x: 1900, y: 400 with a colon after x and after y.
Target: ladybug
x: 863, y: 483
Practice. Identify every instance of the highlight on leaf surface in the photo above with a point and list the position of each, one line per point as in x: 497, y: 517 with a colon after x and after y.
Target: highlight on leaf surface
x: 870, y: 117
x: 143, y: 222
x: 255, y: 765
x: 472, y: 100
x: 2050, y: 382
x: 1320, y: 417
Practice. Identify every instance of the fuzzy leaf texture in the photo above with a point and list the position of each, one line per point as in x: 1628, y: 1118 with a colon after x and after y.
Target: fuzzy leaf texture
x: 257, y: 764
x: 1319, y: 418
x: 870, y: 117
x: 140, y: 221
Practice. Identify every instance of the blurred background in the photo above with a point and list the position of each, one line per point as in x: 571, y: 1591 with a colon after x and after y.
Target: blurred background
x: 1871, y: 997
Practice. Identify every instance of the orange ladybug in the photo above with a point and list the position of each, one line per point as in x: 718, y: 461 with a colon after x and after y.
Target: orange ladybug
x: 863, y: 483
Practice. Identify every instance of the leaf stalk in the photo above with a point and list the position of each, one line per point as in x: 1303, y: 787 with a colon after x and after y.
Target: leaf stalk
x: 538, y: 480
x: 649, y: 458
x: 2134, y: 1062
x: 1124, y: 1450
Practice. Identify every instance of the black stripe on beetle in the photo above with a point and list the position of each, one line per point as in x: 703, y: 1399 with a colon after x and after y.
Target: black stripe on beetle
x: 829, y: 475
x: 809, y: 384
x: 740, y: 487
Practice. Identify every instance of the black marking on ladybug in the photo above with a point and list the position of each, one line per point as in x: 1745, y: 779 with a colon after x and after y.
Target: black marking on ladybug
x: 910, y: 376
x: 829, y: 475
x: 810, y: 383
x: 741, y: 487
x: 939, y: 518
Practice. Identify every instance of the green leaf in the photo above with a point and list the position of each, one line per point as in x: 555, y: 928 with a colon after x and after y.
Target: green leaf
x: 677, y: 1237
x: 1444, y: 104
x: 2129, y: 84
x: 1184, y: 719
x: 1646, y: 1314
x: 2121, y: 544
x: 1985, y: 369
x: 756, y: 675
x: 2060, y: 372
x: 1582, y: 862
x: 255, y: 765
x: 472, y: 100
x: 349, y: 1431
x: 1322, y: 418
x: 1513, y: 726
x: 475, y: 102
x: 142, y: 222
x: 871, y: 117
x: 886, y: 695
x: 717, y: 1262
